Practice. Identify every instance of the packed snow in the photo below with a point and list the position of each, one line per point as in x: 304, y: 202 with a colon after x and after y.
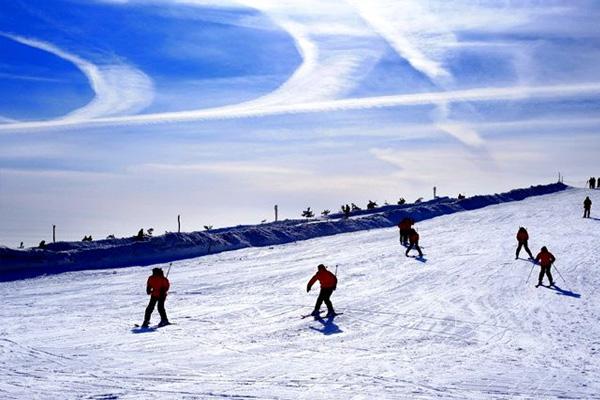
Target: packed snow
x: 461, y: 324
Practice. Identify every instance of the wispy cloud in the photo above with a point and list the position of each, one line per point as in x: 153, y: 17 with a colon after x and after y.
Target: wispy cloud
x: 231, y: 112
x: 119, y: 88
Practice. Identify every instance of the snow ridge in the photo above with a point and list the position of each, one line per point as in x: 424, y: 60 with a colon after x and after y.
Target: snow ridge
x: 112, y: 253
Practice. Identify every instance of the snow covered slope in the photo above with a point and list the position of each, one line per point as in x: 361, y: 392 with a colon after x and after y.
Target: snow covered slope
x: 461, y: 325
x: 75, y: 256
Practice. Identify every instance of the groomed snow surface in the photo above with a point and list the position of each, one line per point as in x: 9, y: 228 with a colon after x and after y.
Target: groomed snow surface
x: 461, y: 325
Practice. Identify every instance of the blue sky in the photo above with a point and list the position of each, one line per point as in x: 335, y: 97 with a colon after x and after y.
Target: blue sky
x: 118, y: 114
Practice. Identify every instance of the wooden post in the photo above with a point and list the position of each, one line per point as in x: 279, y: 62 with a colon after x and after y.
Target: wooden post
x: 53, y: 233
x: 276, y: 212
x: 178, y: 223
x: 434, y: 192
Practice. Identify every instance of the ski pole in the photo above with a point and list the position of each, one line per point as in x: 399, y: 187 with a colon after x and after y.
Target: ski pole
x: 169, y: 270
x: 336, y: 269
x: 529, y: 276
x: 559, y: 274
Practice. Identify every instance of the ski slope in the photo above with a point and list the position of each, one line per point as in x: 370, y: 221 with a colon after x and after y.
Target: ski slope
x: 461, y: 325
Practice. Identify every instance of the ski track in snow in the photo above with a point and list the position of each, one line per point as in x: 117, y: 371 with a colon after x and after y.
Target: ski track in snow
x: 462, y: 325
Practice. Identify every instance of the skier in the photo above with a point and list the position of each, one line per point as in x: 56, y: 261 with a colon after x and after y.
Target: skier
x: 346, y: 211
x: 545, y: 259
x: 328, y: 283
x: 593, y: 183
x: 413, y: 237
x: 157, y: 287
x: 522, y: 238
x: 405, y: 226
x: 587, y: 207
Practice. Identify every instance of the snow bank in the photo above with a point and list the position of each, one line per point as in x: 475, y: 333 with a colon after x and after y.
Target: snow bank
x: 111, y: 253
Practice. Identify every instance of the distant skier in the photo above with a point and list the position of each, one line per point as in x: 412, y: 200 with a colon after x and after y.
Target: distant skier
x: 545, y: 259
x: 587, y: 207
x: 157, y: 287
x: 413, y: 238
x: 346, y: 211
x: 405, y: 226
x: 592, y: 183
x: 42, y: 244
x: 328, y: 283
x: 522, y: 238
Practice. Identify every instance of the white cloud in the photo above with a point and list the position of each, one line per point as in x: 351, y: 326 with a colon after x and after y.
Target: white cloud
x: 230, y: 112
x: 119, y: 88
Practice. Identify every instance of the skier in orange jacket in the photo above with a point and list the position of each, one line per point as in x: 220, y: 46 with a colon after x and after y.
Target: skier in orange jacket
x: 545, y: 259
x: 157, y: 287
x: 328, y: 285
x: 522, y: 238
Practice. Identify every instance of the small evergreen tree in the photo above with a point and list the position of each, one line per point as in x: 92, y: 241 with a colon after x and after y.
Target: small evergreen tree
x: 325, y: 213
x: 308, y: 213
x: 208, y: 227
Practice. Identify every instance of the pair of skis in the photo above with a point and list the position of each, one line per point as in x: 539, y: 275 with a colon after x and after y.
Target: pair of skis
x: 319, y: 315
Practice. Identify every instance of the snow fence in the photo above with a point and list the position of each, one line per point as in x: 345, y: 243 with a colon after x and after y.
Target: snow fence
x: 111, y: 253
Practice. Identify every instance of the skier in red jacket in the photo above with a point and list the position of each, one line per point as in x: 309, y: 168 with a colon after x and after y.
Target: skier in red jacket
x: 545, y: 259
x: 522, y: 238
x: 405, y: 226
x: 157, y: 287
x: 328, y: 283
x: 413, y: 238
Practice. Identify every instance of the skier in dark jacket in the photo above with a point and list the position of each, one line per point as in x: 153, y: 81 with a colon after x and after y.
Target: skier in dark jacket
x: 587, y: 207
x: 328, y: 283
x: 522, y: 238
x: 157, y: 287
x: 545, y: 259
x: 413, y: 238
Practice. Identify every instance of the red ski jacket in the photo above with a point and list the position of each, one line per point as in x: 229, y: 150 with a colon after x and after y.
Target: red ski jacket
x: 522, y: 235
x: 326, y: 278
x: 414, y: 238
x: 545, y: 258
x: 157, y: 286
x: 405, y: 224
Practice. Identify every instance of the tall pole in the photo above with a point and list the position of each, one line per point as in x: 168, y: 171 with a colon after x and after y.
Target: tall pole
x: 276, y: 211
x: 53, y: 233
x: 178, y: 223
x: 434, y: 192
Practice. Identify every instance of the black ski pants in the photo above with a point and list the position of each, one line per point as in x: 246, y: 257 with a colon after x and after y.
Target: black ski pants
x: 545, y: 269
x: 586, y: 212
x: 404, y: 236
x: 414, y: 246
x: 161, y: 309
x: 523, y: 243
x: 324, y: 296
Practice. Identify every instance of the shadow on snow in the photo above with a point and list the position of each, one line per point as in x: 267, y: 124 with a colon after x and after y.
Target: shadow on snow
x: 329, y: 327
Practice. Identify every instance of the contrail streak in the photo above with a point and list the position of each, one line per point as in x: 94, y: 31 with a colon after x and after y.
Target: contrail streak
x: 363, y: 103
